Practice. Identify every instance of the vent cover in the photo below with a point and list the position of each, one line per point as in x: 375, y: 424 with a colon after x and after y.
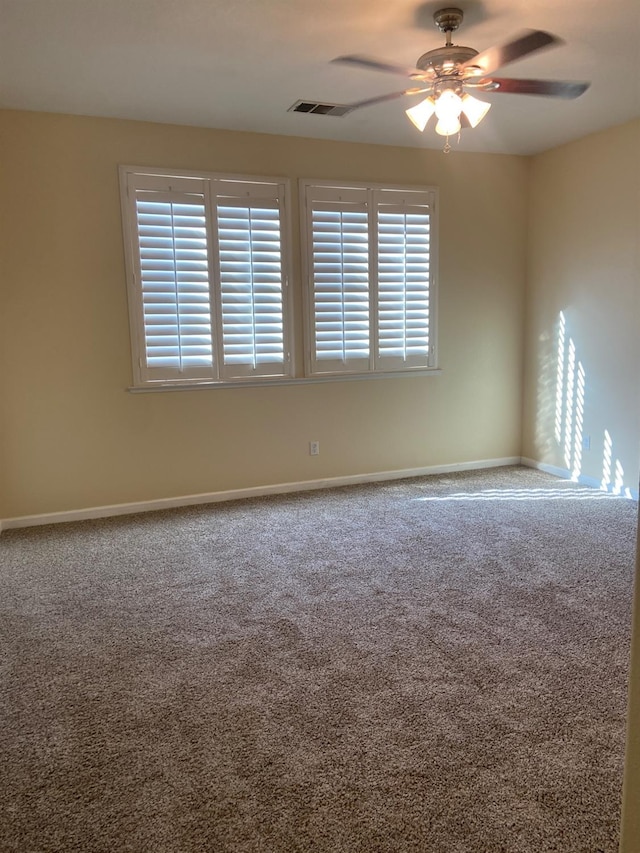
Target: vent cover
x: 319, y: 109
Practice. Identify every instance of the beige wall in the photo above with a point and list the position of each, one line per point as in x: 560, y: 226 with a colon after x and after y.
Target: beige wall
x: 74, y: 437
x: 583, y: 261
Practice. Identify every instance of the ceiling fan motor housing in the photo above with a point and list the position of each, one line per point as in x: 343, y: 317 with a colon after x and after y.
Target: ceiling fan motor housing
x: 445, y: 59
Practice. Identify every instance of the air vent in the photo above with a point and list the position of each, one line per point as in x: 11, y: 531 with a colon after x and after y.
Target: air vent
x: 319, y: 109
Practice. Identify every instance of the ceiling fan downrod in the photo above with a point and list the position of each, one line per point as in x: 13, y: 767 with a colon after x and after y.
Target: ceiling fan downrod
x: 448, y: 21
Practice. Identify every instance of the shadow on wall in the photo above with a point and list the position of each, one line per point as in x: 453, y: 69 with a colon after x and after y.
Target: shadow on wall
x: 569, y: 432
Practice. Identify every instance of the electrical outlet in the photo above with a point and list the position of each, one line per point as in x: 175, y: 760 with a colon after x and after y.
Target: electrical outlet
x: 314, y: 448
x: 586, y: 442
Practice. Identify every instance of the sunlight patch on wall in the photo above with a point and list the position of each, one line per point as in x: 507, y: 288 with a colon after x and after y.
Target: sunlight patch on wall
x: 612, y: 470
x: 570, y: 397
x: 569, y: 427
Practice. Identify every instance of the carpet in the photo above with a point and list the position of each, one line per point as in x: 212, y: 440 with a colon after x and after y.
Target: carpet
x: 436, y: 664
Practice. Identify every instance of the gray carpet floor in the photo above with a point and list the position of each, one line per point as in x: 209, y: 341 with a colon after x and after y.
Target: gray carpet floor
x: 436, y: 664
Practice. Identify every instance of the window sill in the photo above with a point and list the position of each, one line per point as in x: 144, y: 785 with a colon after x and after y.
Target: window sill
x: 263, y: 383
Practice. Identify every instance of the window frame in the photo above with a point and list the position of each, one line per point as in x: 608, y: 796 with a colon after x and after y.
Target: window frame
x: 351, y: 191
x: 211, y: 184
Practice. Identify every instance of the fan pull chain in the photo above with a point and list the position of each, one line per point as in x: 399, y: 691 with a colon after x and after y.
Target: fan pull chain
x: 447, y: 146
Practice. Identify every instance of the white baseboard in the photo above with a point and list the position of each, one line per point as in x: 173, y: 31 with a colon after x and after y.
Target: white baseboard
x: 252, y: 492
x: 583, y: 480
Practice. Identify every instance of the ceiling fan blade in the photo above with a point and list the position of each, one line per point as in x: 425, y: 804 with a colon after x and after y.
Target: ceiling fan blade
x: 378, y: 65
x: 381, y: 98
x: 555, y: 88
x: 528, y: 42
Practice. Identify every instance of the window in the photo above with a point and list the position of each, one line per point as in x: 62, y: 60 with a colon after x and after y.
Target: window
x: 370, y: 293
x: 207, y: 267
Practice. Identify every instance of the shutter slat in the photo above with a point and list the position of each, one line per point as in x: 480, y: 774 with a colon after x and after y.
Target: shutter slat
x: 340, y: 256
x: 173, y: 260
x: 251, y: 287
x: 403, y: 285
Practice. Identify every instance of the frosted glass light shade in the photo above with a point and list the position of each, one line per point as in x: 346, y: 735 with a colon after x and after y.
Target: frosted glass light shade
x: 448, y: 105
x: 474, y: 109
x: 421, y: 113
x: 448, y: 127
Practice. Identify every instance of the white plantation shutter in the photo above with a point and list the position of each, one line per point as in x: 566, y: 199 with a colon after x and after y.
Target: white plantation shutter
x: 251, y: 287
x: 341, y: 316
x: 174, y: 282
x: 371, y: 295
x: 403, y: 287
x: 207, y: 274
x: 208, y: 266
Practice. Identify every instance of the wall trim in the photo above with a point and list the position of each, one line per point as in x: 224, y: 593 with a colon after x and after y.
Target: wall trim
x: 252, y: 492
x: 583, y: 480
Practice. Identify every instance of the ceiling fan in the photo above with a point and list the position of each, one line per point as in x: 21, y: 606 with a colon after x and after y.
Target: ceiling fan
x: 448, y: 74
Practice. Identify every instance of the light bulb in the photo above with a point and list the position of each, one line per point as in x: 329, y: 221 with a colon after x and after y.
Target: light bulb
x: 421, y: 113
x: 474, y: 109
x: 449, y: 126
x: 448, y: 105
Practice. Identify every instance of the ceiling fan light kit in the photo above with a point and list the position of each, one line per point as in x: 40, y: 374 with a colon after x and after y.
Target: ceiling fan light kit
x: 445, y: 74
x: 474, y: 109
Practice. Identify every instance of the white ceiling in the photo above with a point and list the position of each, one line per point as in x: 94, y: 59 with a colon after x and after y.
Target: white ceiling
x: 239, y: 64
